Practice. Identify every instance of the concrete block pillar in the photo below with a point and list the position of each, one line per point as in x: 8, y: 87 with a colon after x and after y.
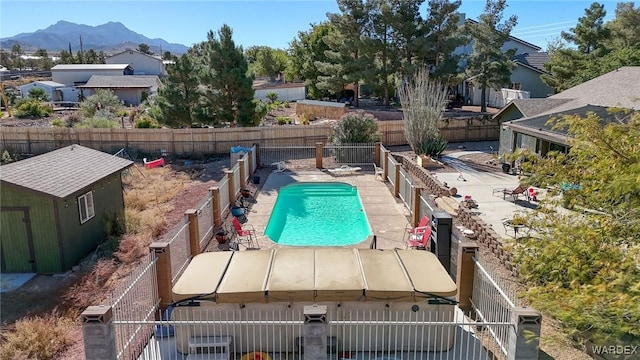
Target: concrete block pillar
x: 232, y: 187
x: 98, y: 333
x: 524, y: 339
x: 416, y: 206
x: 376, y: 153
x: 314, y: 332
x: 162, y: 250
x: 243, y: 175
x: 385, y: 164
x: 194, y: 231
x: 215, y: 202
x: 319, y: 148
x: 465, y: 273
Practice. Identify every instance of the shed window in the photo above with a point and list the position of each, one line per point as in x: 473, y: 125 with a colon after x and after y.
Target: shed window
x: 85, y: 205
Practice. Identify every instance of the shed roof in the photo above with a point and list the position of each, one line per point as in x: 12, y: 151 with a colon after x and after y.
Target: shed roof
x: 122, y: 81
x: 46, y: 83
x: 71, y: 67
x: 63, y: 172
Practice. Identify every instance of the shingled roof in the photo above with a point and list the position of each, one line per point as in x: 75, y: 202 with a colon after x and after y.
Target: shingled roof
x: 63, y: 172
x: 532, y: 60
x: 122, y: 81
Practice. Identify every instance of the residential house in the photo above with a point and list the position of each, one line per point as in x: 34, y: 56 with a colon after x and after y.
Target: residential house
x: 79, y: 74
x: 130, y: 89
x: 144, y: 64
x: 525, y: 78
x: 55, y: 208
x: 525, y: 122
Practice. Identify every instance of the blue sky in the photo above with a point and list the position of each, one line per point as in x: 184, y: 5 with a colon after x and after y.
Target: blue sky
x: 272, y: 23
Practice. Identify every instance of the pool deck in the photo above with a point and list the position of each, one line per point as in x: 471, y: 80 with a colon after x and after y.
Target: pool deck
x: 387, y: 217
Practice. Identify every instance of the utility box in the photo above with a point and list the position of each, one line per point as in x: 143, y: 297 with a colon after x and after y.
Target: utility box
x: 441, y: 226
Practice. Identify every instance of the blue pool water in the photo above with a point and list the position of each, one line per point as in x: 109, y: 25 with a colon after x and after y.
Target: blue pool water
x: 318, y: 214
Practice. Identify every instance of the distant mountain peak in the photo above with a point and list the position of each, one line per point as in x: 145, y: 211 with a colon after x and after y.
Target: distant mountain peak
x: 106, y: 37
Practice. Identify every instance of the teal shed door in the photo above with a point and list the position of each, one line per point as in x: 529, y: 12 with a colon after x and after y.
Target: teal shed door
x: 17, y: 246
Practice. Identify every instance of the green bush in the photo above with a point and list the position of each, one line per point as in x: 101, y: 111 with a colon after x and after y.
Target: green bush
x: 261, y: 109
x: 356, y: 128
x: 32, y: 108
x: 38, y: 94
x: 58, y: 123
x: 434, y: 146
x: 272, y: 96
x: 146, y: 122
x: 101, y: 100
x: 284, y: 120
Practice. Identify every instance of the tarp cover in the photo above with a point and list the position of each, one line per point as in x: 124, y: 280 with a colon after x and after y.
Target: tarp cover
x: 384, y: 275
x: 315, y: 274
x: 338, y: 275
x: 202, y: 276
x: 246, y: 277
x: 426, y: 273
x: 292, y: 275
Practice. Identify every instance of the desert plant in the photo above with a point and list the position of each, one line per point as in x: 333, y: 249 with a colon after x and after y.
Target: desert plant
x: 261, y: 109
x: 355, y: 128
x: 422, y: 102
x: 32, y: 108
x: 283, y: 120
x: 58, y: 123
x: 38, y: 337
x: 146, y: 122
x: 102, y: 99
x: 433, y: 146
x: 272, y: 96
x: 97, y: 123
x: 6, y: 157
x: 38, y: 94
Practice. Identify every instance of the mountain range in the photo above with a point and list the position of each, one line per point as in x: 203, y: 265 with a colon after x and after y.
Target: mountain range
x: 111, y: 37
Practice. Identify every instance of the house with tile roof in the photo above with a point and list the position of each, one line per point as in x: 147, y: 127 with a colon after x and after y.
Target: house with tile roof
x: 56, y: 208
x: 524, y: 122
x: 130, y: 89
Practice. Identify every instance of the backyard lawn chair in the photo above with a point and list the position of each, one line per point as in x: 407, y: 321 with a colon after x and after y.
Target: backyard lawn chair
x: 420, y: 240
x: 422, y: 225
x: 514, y: 193
x: 378, y: 171
x: 245, y: 234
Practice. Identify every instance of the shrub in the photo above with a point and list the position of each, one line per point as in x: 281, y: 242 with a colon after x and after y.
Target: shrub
x: 432, y: 146
x: 58, y: 123
x: 356, y: 128
x: 32, y: 108
x: 261, y: 109
x: 73, y: 119
x: 146, y: 122
x: 38, y: 337
x: 102, y: 99
x: 283, y: 120
x: 38, y: 94
x: 272, y: 96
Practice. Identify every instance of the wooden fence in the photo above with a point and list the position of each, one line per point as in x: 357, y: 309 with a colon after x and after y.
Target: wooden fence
x: 187, y: 142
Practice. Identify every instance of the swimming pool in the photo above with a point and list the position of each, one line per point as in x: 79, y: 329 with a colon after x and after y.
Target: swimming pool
x: 318, y: 214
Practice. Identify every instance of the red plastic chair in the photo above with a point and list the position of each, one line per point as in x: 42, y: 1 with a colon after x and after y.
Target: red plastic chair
x: 420, y: 241
x: 420, y: 228
x: 246, y: 235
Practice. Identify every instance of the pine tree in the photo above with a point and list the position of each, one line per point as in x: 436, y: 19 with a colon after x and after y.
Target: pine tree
x: 590, y: 33
x: 489, y: 65
x: 307, y: 50
x: 229, y: 91
x: 442, y: 38
x: 178, y: 99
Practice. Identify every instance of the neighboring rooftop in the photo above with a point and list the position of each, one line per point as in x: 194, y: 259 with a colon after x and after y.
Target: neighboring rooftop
x: 122, y: 81
x: 91, y: 67
x: 533, y: 107
x: 533, y: 60
x: 63, y: 172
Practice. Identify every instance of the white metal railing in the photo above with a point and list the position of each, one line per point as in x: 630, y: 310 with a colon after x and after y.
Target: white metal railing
x: 254, y: 157
x: 136, y: 301
x: 406, y: 188
x: 224, y: 203
x: 205, y: 220
x: 492, y: 304
x: 236, y: 180
x: 300, y: 154
x: 350, y: 154
x: 180, y: 249
x: 392, y: 163
x: 246, y: 167
x: 409, y: 333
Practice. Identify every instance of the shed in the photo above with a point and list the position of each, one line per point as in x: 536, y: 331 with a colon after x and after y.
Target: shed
x: 52, y: 88
x: 54, y: 207
x: 78, y: 74
x: 314, y: 109
x: 144, y: 64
